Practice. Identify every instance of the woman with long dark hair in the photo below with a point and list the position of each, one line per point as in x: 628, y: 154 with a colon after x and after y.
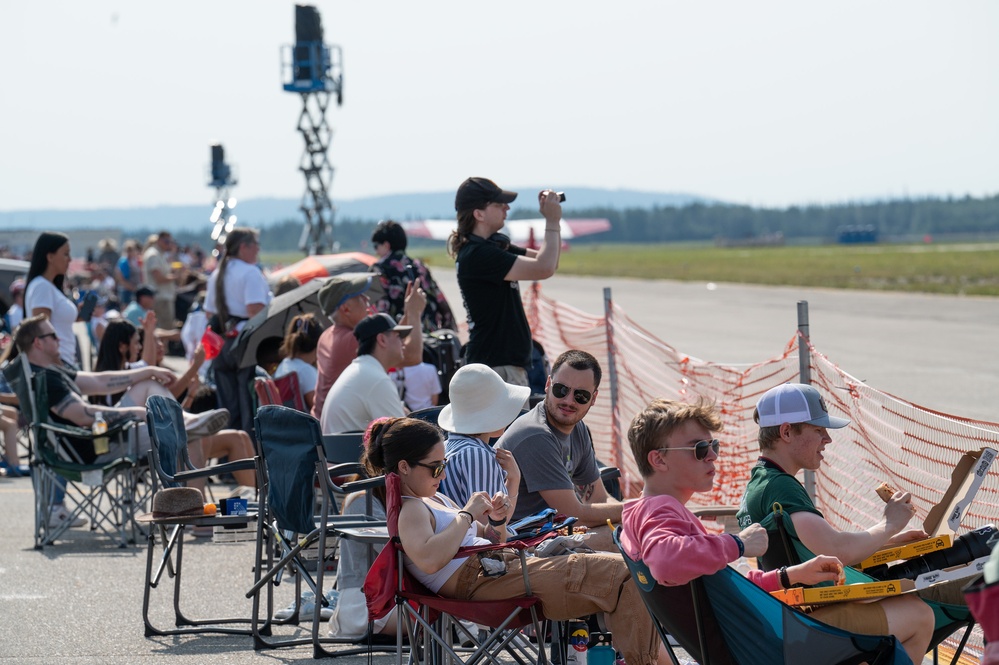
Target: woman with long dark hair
x: 46, y: 295
x: 299, y: 351
x: 237, y: 290
x: 432, y: 528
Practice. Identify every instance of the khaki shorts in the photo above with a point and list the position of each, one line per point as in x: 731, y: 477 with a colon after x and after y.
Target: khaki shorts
x: 861, y: 618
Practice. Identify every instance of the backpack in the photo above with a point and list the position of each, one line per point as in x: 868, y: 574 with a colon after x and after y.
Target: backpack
x: 442, y: 349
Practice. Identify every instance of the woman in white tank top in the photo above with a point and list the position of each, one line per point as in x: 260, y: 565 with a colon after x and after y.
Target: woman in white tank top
x: 432, y: 528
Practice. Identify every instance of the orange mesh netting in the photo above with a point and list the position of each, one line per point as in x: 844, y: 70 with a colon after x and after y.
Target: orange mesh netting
x: 889, y: 439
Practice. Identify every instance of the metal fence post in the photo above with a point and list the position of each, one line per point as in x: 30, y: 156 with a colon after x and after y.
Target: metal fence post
x: 805, y: 375
x: 612, y: 376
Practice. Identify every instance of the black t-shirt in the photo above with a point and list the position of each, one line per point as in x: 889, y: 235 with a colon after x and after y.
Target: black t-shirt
x: 498, y: 333
x: 61, y: 382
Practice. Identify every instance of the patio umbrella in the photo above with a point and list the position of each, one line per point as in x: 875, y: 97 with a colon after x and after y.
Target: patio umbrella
x: 272, y: 321
x: 323, y: 265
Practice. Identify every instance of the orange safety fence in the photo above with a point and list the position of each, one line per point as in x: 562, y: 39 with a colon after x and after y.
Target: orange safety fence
x: 889, y: 439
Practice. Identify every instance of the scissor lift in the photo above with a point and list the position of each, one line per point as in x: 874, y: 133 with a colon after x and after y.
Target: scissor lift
x: 314, y: 70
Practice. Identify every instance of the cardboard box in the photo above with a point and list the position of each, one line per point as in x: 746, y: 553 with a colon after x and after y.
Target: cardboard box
x: 965, y: 481
x: 907, y: 551
x: 846, y: 592
x: 957, y: 573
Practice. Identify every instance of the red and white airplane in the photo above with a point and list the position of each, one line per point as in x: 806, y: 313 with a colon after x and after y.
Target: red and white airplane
x: 522, y: 232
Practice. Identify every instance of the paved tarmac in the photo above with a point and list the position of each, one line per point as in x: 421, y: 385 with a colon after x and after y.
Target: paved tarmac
x: 80, y: 600
x: 936, y: 351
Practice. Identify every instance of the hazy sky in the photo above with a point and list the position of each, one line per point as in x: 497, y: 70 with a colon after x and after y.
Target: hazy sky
x: 114, y: 104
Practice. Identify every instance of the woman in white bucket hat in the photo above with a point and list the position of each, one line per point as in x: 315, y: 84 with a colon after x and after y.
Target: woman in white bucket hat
x: 482, y: 406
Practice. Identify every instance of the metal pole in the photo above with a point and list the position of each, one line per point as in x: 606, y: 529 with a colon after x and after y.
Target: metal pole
x: 805, y: 375
x: 612, y: 374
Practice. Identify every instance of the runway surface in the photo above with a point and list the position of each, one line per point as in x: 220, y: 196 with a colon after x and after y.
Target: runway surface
x: 936, y: 351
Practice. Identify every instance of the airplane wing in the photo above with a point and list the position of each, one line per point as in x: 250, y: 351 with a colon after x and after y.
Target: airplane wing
x: 521, y: 231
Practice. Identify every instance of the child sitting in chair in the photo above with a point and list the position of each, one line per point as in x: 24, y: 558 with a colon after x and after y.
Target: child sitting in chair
x: 674, y: 447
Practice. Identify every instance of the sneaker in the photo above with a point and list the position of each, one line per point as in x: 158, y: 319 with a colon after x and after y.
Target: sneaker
x: 207, y: 423
x: 14, y: 470
x: 309, y: 606
x: 58, y: 516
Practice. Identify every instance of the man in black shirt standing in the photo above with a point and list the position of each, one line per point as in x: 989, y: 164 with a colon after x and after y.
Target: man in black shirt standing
x: 489, y: 269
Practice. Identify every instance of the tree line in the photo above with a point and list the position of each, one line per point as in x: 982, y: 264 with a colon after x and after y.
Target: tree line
x: 902, y: 220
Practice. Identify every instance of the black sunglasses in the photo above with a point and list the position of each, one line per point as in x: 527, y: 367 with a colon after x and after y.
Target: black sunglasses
x: 700, y: 448
x: 51, y: 334
x: 560, y: 390
x: 435, y: 469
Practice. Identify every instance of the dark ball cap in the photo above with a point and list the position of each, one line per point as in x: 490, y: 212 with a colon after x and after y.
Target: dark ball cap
x: 376, y: 324
x: 477, y: 193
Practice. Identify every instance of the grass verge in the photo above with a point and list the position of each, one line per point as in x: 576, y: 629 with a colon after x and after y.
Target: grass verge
x: 954, y: 269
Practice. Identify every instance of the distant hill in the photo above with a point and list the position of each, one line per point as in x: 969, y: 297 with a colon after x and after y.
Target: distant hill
x: 266, y: 211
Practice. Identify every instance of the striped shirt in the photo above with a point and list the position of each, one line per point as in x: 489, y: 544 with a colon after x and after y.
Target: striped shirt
x: 471, y: 467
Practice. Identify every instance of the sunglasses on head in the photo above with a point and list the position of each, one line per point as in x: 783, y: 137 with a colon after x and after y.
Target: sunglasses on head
x: 435, y: 469
x: 560, y: 390
x: 700, y: 448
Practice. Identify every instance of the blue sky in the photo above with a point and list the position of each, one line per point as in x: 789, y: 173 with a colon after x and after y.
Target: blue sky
x: 114, y: 103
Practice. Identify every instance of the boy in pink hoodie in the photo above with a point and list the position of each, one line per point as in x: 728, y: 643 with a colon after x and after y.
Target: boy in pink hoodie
x: 675, y: 450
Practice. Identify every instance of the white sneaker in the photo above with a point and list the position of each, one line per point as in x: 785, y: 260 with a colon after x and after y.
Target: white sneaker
x: 58, y: 516
x: 207, y: 423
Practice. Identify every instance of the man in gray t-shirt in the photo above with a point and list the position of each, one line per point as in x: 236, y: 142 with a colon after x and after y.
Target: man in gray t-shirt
x: 553, y: 449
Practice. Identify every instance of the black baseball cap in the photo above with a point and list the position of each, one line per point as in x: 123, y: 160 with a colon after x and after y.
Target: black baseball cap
x: 477, y: 193
x: 376, y: 324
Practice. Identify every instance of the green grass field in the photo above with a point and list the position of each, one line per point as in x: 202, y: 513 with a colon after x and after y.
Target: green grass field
x: 955, y: 269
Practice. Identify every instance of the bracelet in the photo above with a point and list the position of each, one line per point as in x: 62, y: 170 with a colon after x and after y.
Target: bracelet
x: 785, y: 581
x: 493, y: 522
x: 471, y: 518
x: 738, y: 541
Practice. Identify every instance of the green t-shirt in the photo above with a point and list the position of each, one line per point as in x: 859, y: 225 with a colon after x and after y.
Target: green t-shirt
x: 769, y: 484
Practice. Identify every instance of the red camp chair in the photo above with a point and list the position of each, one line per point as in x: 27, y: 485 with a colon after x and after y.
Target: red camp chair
x: 429, y: 618
x: 283, y: 391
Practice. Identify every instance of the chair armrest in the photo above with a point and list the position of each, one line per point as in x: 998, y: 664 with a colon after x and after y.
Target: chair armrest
x: 363, y: 485
x: 86, y: 433
x: 609, y: 473
x: 204, y: 472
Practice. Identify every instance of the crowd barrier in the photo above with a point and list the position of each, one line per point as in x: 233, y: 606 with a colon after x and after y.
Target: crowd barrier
x: 889, y: 439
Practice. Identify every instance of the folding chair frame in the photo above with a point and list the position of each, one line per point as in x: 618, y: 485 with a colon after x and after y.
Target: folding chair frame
x: 284, y: 430
x: 110, y: 504
x: 165, y: 420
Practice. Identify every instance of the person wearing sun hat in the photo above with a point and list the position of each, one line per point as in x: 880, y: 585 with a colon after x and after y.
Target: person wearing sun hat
x: 482, y: 406
x: 794, y: 422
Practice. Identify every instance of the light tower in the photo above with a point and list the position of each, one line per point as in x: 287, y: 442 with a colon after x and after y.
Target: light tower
x: 314, y: 70
x: 221, y: 177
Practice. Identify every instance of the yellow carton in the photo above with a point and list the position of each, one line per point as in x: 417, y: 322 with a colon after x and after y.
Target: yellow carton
x: 847, y: 592
x: 907, y: 551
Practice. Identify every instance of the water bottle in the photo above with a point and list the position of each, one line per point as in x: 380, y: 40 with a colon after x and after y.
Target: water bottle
x: 100, y: 427
x: 601, y: 651
x: 579, y: 641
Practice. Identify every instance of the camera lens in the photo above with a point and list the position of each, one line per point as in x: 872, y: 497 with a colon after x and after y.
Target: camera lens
x: 967, y: 548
